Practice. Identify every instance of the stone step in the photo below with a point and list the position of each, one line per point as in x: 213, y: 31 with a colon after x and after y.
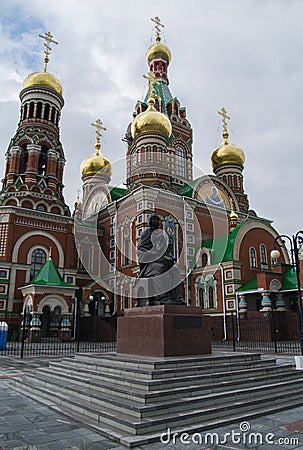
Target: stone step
x: 129, y: 403
x: 173, y: 420
x: 171, y: 392
x: 153, y: 363
x: 205, y: 426
x: 149, y: 373
x: 138, y: 399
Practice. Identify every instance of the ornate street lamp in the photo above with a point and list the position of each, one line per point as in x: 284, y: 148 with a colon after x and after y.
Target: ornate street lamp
x: 295, y: 243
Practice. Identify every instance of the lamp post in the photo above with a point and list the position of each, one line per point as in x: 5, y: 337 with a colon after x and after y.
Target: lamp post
x: 91, y: 299
x: 295, y: 241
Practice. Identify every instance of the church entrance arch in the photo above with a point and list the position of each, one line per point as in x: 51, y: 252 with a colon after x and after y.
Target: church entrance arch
x: 51, y: 309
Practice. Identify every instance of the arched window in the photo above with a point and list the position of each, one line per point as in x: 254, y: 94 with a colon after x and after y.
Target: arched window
x: 160, y: 154
x: 25, y: 111
x: 211, y: 300
x: 23, y: 159
x: 204, y: 259
x: 180, y: 161
x: 230, y: 180
x: 37, y: 261
x: 252, y: 258
x: 138, y: 155
x: 53, y: 114
x: 39, y: 110
x: 126, y: 299
x: 201, y: 297
x: 263, y: 255
x: 126, y: 252
x: 31, y: 110
x: 148, y: 153
x: 85, y: 259
x: 42, y: 160
x: 46, y: 111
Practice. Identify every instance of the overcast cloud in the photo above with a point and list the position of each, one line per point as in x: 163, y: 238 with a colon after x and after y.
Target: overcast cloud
x: 245, y: 55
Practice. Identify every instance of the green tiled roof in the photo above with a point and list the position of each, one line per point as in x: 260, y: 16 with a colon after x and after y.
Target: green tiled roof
x: 162, y: 90
x: 289, y: 280
x: 48, y: 275
x: 117, y: 193
x: 251, y: 285
x: 222, y: 248
x: 187, y: 189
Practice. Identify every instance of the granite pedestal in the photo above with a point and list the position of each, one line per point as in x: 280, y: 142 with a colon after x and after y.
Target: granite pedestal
x: 164, y: 330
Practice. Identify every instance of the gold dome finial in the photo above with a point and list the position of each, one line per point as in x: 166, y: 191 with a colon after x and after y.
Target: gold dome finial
x: 49, y: 38
x: 158, y: 50
x: 227, y: 153
x: 98, y: 124
x: 44, y: 78
x: 158, y: 24
x: 96, y: 162
x: 224, y: 115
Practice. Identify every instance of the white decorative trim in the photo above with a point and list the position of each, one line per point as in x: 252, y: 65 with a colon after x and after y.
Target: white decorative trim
x: 30, y: 253
x: 248, y: 226
x: 53, y: 301
x: 38, y: 233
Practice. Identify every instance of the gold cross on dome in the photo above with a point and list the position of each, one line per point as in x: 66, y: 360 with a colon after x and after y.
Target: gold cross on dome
x: 151, y: 82
x: 158, y: 24
x: 224, y: 115
x: 49, y: 38
x: 98, y: 124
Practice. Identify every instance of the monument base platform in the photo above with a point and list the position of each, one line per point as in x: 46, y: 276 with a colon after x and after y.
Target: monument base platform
x: 164, y: 330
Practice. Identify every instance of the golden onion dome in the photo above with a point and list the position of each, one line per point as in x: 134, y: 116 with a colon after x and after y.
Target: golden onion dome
x: 151, y: 121
x: 43, y: 79
x: 96, y: 163
x: 158, y: 51
x: 227, y: 153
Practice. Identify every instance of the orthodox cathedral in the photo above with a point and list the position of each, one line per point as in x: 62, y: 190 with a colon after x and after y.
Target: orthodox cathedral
x: 50, y: 255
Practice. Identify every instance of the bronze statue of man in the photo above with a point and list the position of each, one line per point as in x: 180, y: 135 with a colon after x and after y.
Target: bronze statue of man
x: 159, y: 278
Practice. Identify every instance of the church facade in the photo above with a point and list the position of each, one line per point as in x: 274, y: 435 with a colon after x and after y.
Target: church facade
x: 222, y: 248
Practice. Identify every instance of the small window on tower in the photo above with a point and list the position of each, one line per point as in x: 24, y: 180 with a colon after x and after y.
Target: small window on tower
x: 180, y: 161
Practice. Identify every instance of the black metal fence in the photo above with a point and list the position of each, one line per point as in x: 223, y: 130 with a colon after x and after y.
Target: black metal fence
x: 271, y: 332
x: 83, y: 334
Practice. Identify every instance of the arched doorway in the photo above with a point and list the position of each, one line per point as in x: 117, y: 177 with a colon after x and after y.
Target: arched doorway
x: 50, y: 321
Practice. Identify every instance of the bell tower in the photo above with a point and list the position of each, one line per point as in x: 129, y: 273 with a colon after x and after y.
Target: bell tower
x: 177, y: 151
x: 35, y: 158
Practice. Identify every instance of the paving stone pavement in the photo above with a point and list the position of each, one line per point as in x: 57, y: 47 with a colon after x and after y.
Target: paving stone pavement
x: 28, y: 425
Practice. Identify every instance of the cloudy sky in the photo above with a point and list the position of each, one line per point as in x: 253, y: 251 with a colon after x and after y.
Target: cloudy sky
x: 245, y: 55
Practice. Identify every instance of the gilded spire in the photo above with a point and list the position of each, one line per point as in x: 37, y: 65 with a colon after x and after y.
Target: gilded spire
x: 158, y: 24
x: 224, y: 115
x: 49, y: 38
x: 50, y: 253
x: 98, y: 125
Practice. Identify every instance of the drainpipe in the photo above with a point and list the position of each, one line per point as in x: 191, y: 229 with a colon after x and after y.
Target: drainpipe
x: 186, y: 258
x: 238, y: 316
x: 115, y: 260
x: 223, y: 299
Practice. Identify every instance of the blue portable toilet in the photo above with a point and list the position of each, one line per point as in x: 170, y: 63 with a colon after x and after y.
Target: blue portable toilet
x: 3, y: 335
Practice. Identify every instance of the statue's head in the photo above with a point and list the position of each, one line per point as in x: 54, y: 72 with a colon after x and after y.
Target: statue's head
x: 154, y: 221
